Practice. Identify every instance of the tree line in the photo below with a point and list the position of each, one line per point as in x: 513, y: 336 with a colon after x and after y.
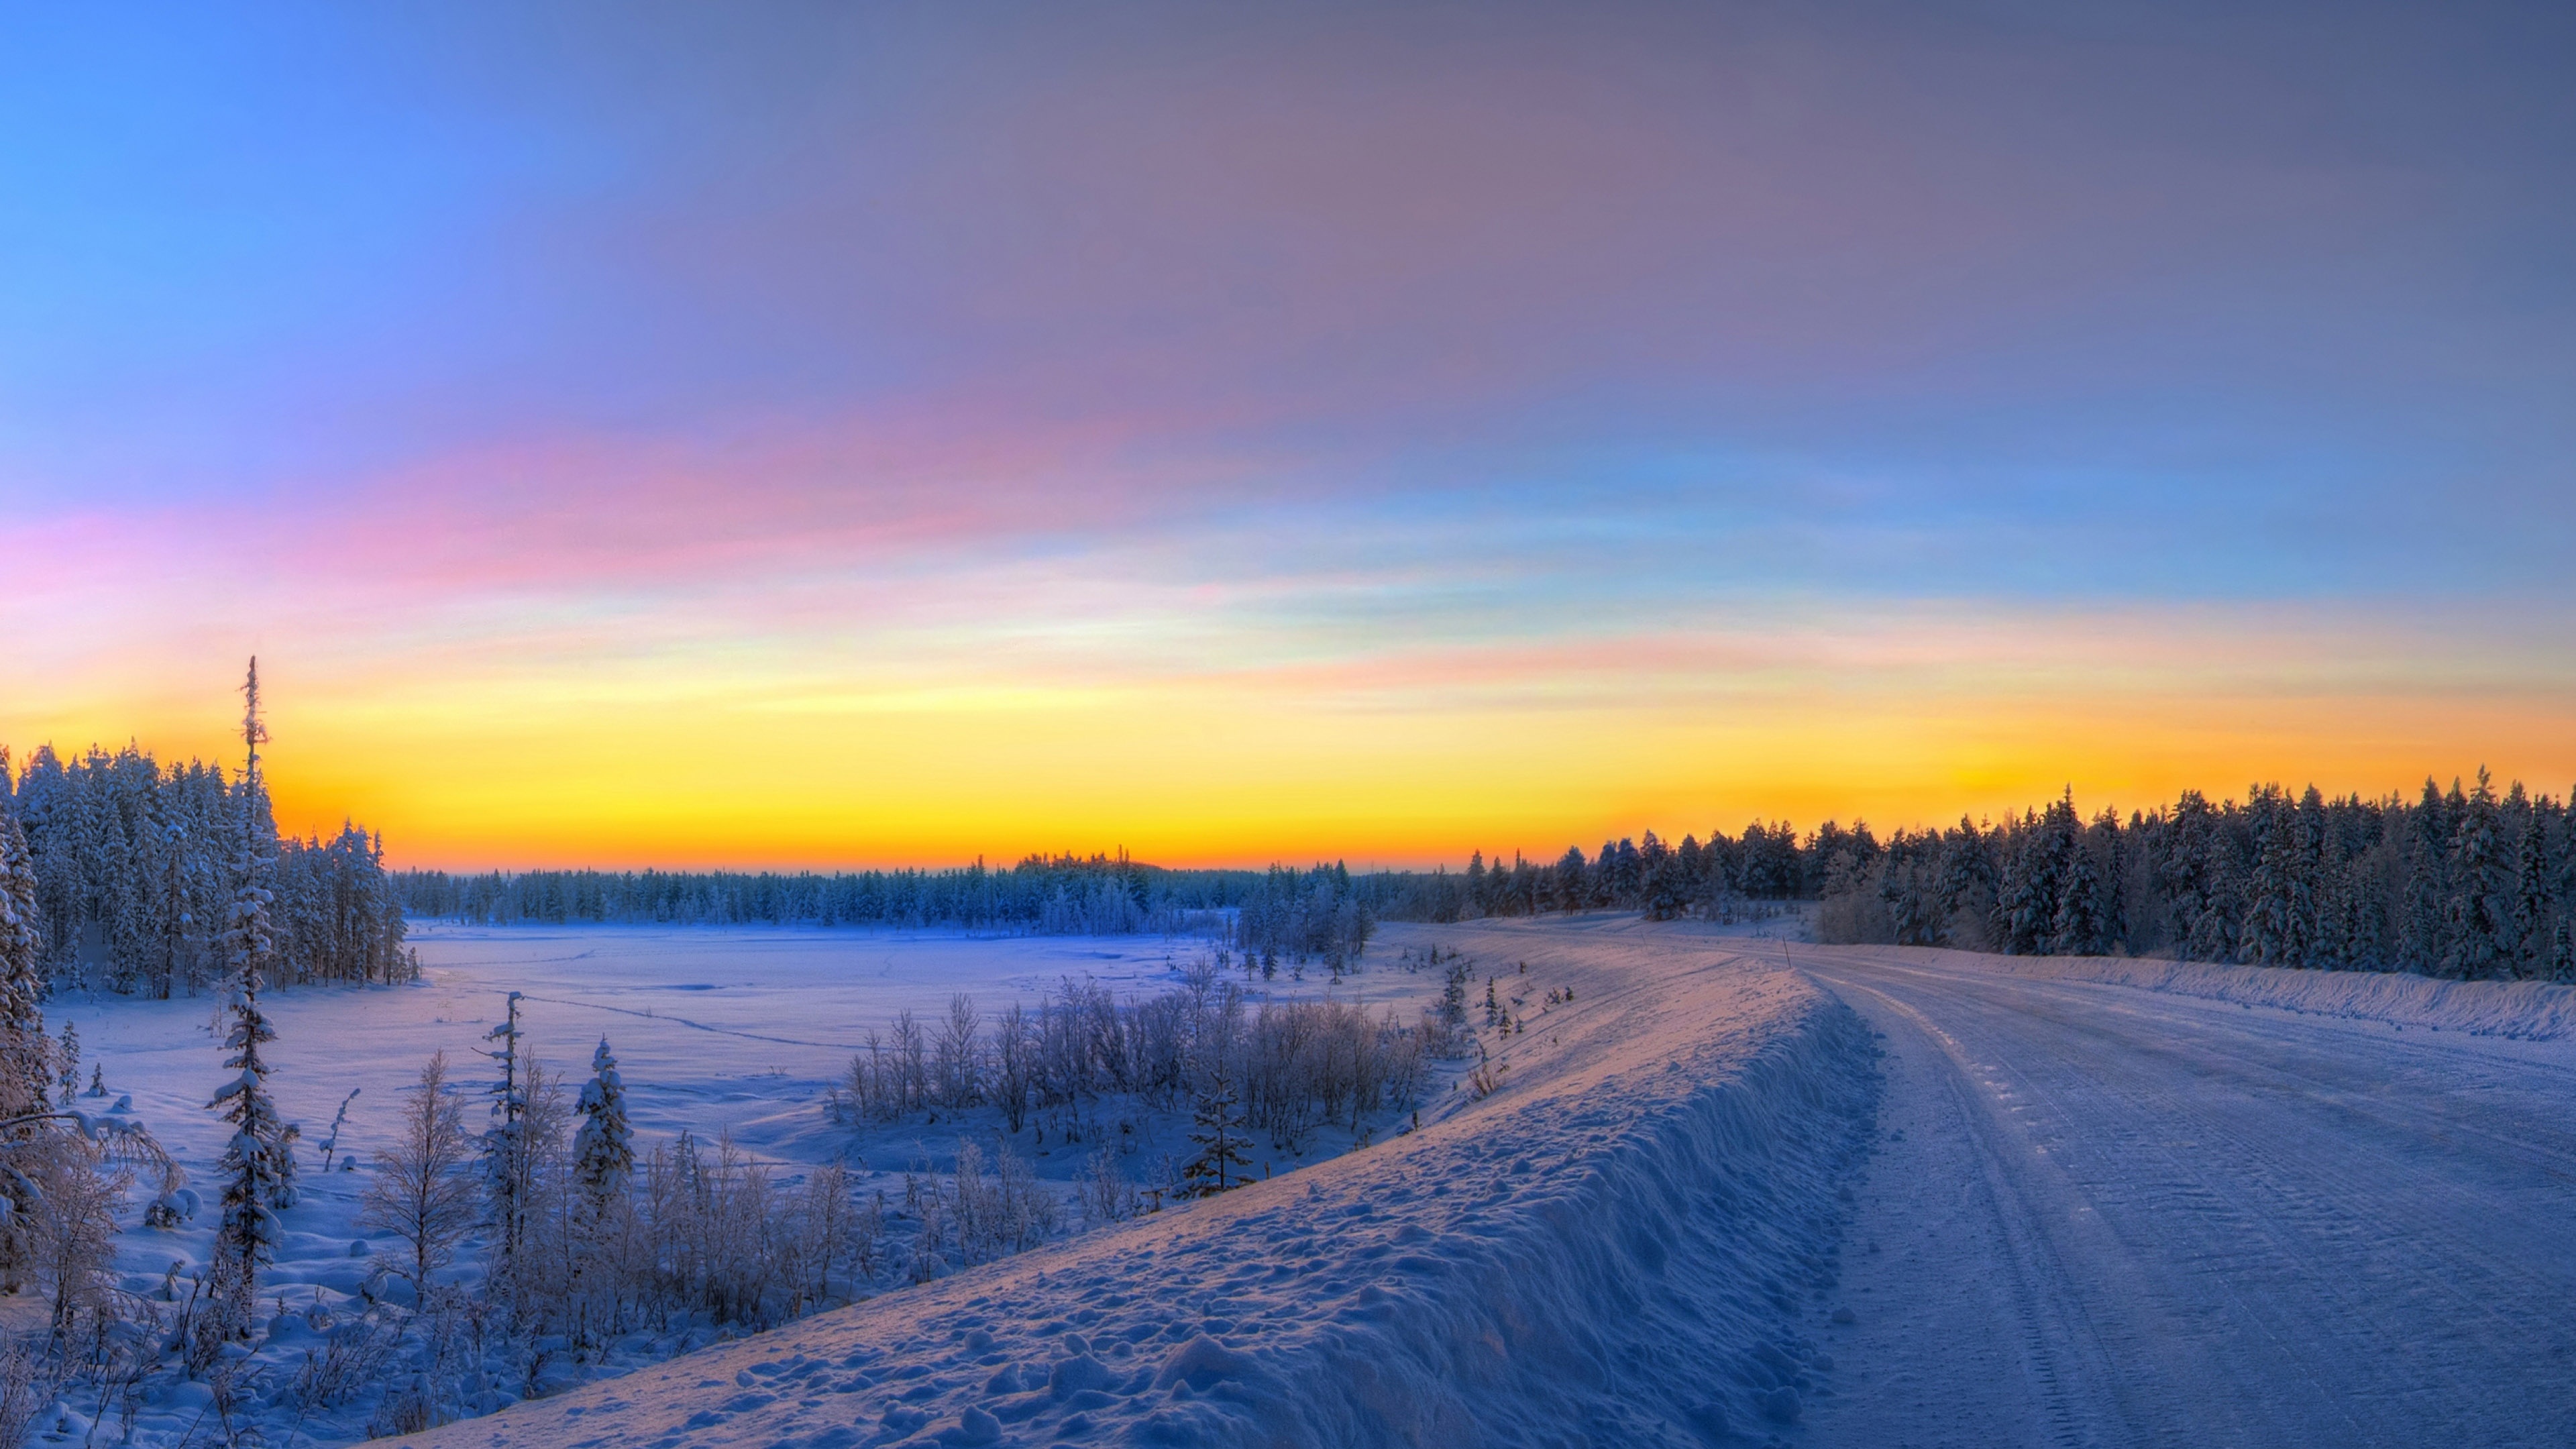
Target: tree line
x: 133, y: 878
x: 1054, y: 895
x: 2466, y: 882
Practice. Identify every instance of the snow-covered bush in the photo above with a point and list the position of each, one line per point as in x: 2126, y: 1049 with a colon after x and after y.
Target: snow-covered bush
x: 420, y: 1191
x: 999, y: 1208
x: 1295, y: 1064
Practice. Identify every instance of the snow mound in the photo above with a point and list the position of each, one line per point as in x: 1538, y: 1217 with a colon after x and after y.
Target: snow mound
x: 1617, y: 1245
x: 2532, y: 1010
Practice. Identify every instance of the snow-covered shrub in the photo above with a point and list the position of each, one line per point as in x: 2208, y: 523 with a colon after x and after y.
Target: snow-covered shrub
x: 349, y: 1361
x: 999, y: 1209
x: 957, y: 1057
x: 26, y: 1387
x: 1105, y: 1193
x: 1296, y: 1064
x: 420, y: 1191
x: 71, y: 1227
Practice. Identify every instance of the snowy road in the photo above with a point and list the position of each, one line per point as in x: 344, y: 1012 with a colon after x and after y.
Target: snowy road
x: 2118, y: 1217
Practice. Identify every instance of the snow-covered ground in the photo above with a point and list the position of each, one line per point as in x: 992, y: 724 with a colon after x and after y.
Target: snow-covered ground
x: 740, y: 1031
x: 2074, y: 1202
x: 2111, y: 1215
x: 1628, y: 1241
x: 2538, y: 1010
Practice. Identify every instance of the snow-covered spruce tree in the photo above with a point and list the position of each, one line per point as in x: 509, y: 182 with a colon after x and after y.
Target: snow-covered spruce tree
x: 2271, y: 932
x: 2424, y: 925
x: 604, y: 1148
x: 2531, y: 894
x: 23, y: 1048
x: 2480, y: 909
x: 1217, y: 1131
x: 256, y: 1183
x: 2031, y: 879
x: 24, y: 1052
x: 508, y: 1166
x: 67, y: 1059
x: 2077, y: 927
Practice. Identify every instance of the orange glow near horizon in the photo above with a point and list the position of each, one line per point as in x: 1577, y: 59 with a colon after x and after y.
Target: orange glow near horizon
x: 1406, y: 761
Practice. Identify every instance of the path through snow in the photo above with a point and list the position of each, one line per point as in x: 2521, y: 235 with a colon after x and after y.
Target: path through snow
x: 2111, y: 1216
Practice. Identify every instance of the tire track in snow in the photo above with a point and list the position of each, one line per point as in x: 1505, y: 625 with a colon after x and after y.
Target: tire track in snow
x: 2051, y: 1328
x: 2307, y: 1230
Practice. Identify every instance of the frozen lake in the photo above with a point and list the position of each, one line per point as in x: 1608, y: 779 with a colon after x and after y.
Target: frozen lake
x: 715, y: 1028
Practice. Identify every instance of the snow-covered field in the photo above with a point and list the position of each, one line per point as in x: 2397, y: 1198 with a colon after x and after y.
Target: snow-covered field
x: 1733, y: 1191
x: 1627, y: 1242
x: 717, y: 1031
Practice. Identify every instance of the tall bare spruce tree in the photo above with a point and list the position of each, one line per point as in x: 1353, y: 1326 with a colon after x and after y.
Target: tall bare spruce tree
x: 254, y: 1183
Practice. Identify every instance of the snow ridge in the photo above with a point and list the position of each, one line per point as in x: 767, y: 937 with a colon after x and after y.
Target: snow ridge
x: 2530, y: 1010
x: 1615, y: 1246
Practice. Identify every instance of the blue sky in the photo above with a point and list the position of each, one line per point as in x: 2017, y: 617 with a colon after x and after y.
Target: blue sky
x: 1179, y: 367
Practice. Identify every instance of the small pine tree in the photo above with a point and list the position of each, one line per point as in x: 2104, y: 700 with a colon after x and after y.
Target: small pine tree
x: 1453, y: 995
x: 604, y: 1149
x: 67, y: 1060
x: 1219, y: 1164
x: 507, y: 1168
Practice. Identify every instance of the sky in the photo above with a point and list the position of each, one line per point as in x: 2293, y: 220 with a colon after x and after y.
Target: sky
x: 840, y: 434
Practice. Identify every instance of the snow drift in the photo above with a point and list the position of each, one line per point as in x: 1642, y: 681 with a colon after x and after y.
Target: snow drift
x: 2533, y: 1010
x: 1615, y: 1245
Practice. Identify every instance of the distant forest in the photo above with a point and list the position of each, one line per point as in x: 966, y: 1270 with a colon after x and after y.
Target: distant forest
x: 1319, y: 914
x: 135, y: 876
x: 1096, y: 895
x: 2463, y: 883
x: 132, y: 879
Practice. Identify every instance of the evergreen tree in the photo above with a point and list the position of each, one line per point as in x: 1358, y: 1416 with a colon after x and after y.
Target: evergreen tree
x: 2423, y: 942
x: 1573, y: 883
x: 508, y: 1168
x: 67, y: 1058
x: 604, y: 1148
x: 2480, y: 911
x: 2532, y: 878
x: 1968, y: 879
x: 1217, y: 1130
x: 2279, y: 893
x: 249, y: 1235
x: 2078, y: 928
x: 1667, y: 887
x: 2034, y: 879
x: 22, y: 956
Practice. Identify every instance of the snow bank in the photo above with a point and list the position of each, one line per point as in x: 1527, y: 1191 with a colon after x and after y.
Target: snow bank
x: 1614, y: 1246
x: 2535, y: 1010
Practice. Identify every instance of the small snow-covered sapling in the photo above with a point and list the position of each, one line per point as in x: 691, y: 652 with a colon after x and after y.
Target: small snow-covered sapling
x: 69, y: 1053
x: 331, y: 1143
